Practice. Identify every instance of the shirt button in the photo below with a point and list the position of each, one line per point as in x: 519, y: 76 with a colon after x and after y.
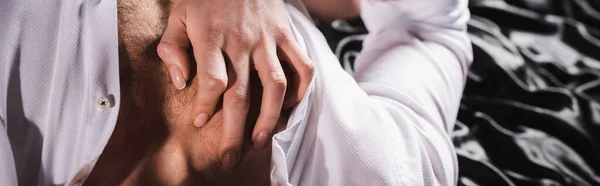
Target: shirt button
x: 103, y: 103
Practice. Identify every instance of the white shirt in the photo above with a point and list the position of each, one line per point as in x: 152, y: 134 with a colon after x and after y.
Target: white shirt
x: 387, y: 125
x: 57, y: 60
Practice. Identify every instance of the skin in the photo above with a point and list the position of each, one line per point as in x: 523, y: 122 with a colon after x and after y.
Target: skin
x: 250, y: 34
x: 154, y: 141
x: 328, y: 11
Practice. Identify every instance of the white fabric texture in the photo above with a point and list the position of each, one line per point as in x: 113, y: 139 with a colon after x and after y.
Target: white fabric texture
x: 56, y: 59
x: 388, y: 125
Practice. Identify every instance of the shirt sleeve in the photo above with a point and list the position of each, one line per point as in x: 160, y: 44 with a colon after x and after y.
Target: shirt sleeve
x: 414, y: 63
x: 8, y: 174
x: 419, y: 49
x: 387, y: 125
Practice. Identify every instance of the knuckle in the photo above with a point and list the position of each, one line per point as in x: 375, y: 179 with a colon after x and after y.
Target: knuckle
x: 267, y: 38
x: 213, y: 35
x: 283, y: 28
x: 215, y: 83
x: 238, y: 99
x: 244, y: 39
x: 215, y: 24
x: 286, y: 38
x: 309, y: 67
x: 278, y: 81
x: 163, y: 49
x: 306, y: 67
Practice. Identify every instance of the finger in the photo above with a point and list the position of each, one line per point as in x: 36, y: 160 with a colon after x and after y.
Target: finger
x: 302, y: 65
x: 274, y: 84
x: 212, y: 82
x: 210, y: 70
x: 172, y: 49
x: 235, y: 110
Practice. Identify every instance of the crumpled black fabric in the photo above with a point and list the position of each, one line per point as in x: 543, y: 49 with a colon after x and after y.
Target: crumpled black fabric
x: 530, y: 112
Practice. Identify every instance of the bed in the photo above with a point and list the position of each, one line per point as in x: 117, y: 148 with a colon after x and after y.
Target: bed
x: 530, y: 111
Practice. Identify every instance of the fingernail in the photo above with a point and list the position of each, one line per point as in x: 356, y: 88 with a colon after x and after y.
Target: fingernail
x: 261, y: 140
x: 177, y: 77
x: 201, y: 119
x: 230, y: 160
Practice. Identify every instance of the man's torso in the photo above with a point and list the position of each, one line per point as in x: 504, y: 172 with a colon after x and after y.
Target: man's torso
x: 154, y: 120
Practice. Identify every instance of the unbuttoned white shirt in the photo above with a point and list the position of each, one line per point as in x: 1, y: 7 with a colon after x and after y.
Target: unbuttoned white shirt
x: 387, y: 124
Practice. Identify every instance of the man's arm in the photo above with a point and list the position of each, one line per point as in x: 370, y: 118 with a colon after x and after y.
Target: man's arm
x: 389, y: 125
x: 419, y: 49
x: 330, y: 10
x: 414, y: 63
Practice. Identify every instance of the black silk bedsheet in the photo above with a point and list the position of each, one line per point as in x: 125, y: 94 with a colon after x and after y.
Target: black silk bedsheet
x: 530, y: 112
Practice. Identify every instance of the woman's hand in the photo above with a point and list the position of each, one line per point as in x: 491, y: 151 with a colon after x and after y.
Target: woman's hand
x: 229, y: 37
